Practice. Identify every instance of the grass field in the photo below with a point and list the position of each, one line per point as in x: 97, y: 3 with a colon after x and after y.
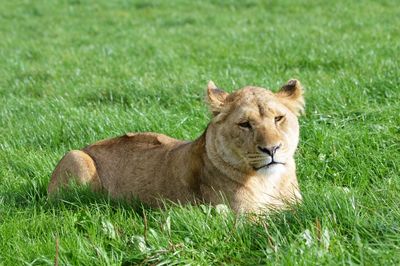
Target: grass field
x: 73, y: 72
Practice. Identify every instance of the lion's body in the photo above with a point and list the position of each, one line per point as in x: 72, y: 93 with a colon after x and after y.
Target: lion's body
x: 145, y: 165
x: 212, y: 169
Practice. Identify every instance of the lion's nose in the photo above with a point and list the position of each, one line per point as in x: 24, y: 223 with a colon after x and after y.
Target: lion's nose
x: 270, y: 150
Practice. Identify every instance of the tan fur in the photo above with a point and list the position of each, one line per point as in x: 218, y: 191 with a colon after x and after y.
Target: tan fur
x: 227, y: 163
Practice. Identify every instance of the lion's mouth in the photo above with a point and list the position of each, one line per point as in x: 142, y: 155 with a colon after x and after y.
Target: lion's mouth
x: 268, y: 165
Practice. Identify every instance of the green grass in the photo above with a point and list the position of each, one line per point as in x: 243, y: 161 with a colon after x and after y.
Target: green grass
x: 73, y: 72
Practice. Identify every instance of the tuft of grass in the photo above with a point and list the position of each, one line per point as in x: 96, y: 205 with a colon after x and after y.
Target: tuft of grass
x: 73, y: 72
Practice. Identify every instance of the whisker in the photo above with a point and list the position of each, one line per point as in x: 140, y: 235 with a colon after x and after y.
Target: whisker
x: 254, y: 154
x: 259, y: 156
x: 256, y: 161
x: 255, y: 158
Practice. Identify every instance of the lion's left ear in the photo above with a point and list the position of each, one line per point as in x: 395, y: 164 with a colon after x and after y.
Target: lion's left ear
x: 291, y: 95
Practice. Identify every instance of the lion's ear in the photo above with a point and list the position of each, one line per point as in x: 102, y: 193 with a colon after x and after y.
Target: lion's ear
x: 215, y: 98
x: 291, y: 95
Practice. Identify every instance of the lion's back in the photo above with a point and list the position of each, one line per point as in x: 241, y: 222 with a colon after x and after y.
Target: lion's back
x: 143, y: 140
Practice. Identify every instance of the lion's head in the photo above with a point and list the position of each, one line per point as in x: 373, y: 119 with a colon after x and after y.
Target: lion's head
x: 254, y: 128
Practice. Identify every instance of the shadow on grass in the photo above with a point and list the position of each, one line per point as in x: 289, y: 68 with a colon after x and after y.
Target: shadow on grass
x: 321, y: 207
x: 34, y: 195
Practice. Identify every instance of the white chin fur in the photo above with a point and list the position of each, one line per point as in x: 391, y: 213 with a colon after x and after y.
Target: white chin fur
x: 272, y: 169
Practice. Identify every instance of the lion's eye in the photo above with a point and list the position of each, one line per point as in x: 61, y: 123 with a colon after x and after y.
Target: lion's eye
x: 279, y: 118
x: 245, y: 124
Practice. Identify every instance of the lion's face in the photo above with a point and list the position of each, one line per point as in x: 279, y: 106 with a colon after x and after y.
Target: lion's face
x: 254, y: 128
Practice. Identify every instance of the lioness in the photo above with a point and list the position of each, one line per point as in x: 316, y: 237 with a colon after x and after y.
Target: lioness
x: 244, y: 157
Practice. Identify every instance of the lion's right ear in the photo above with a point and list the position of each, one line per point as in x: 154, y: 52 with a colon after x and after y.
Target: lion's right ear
x: 215, y: 98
